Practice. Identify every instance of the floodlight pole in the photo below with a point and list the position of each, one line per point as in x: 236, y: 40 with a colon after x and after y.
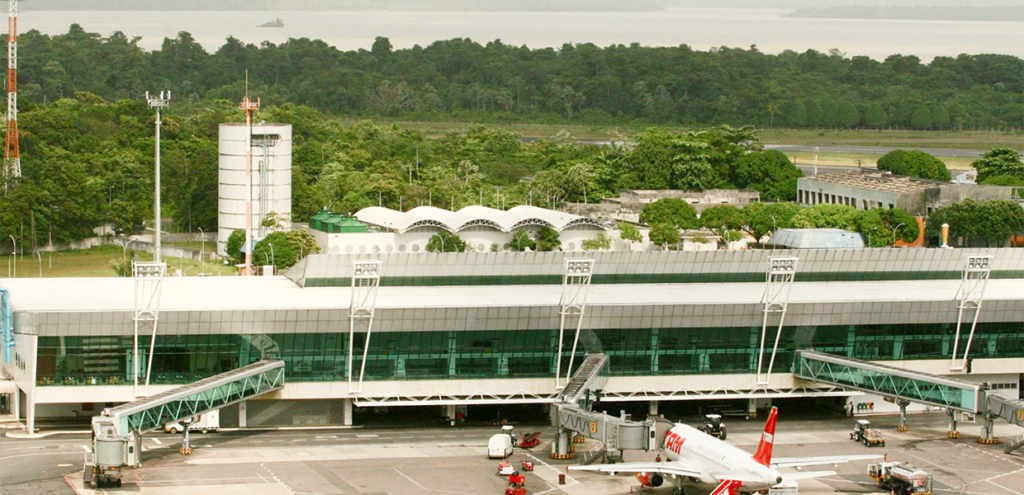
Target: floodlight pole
x: 365, y: 280
x: 156, y: 103
x: 971, y: 293
x: 575, y: 286
x: 778, y: 283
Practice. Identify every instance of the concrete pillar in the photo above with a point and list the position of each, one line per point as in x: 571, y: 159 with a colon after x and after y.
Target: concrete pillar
x: 346, y: 405
x: 903, y: 414
x: 30, y: 413
x: 242, y: 416
x: 653, y: 410
x: 16, y: 403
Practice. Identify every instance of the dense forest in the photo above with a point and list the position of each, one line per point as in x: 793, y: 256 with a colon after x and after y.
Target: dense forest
x: 87, y: 162
x: 464, y: 80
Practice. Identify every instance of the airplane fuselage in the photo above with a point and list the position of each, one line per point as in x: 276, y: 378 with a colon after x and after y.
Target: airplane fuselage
x: 715, y: 457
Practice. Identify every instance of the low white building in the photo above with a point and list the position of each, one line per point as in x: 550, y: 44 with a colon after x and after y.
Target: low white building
x: 479, y: 226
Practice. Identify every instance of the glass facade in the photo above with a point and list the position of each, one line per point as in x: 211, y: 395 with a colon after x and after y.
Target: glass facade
x: 315, y: 357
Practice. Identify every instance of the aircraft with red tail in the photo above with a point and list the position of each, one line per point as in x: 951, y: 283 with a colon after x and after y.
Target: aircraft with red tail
x: 700, y: 462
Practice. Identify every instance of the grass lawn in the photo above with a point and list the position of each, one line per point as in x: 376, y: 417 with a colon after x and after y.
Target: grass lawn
x: 979, y: 140
x: 95, y: 262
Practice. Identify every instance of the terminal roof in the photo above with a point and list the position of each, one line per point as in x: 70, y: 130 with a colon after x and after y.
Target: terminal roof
x: 275, y: 293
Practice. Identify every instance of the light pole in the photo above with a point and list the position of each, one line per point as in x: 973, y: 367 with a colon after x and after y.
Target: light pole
x: 124, y: 243
x: 202, y: 250
x: 157, y: 102
x: 775, y: 228
x: 894, y: 231
x: 271, y: 244
x: 14, y: 255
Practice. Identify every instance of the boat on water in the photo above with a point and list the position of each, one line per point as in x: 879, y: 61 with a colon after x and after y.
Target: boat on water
x: 276, y: 23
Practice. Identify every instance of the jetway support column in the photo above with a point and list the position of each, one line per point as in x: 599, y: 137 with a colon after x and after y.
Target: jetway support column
x: 653, y: 410
x: 560, y: 446
x: 987, y: 432
x: 346, y: 407
x: 903, y: 415
x: 242, y: 416
x: 952, y: 433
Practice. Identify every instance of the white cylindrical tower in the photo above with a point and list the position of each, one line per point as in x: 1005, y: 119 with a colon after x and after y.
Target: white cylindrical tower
x: 277, y: 140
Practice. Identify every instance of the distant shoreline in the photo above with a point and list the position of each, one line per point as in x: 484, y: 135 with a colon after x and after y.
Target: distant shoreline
x: 1008, y: 13
x: 352, y: 5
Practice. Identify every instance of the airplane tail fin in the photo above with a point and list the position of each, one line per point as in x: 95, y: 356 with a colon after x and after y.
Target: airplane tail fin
x: 764, y: 449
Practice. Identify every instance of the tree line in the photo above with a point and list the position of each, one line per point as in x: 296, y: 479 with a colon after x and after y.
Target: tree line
x: 465, y: 80
x: 89, y: 162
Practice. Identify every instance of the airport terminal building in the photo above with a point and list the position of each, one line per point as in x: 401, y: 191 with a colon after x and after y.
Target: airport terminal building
x: 484, y: 328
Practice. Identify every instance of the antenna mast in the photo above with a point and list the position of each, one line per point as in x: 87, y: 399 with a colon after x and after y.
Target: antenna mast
x: 249, y: 106
x: 12, y: 152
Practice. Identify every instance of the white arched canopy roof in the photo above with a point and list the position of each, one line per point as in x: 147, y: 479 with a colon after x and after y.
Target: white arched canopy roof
x: 472, y: 216
x: 398, y: 221
x: 557, y: 219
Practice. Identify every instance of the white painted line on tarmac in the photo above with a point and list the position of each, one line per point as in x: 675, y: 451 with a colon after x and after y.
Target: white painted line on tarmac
x: 63, y: 465
x: 195, y: 480
x: 156, y: 441
x: 421, y: 487
x: 1005, y: 488
x: 366, y: 436
x: 86, y: 449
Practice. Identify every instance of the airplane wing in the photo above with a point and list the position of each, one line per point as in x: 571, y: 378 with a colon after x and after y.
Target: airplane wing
x: 786, y: 477
x: 673, y: 468
x: 782, y: 462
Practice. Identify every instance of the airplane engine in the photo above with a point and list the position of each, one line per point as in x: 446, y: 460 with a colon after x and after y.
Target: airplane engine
x: 650, y: 479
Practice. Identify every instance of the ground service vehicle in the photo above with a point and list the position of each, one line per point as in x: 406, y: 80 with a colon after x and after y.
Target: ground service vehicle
x: 527, y: 466
x: 516, y: 485
x: 203, y: 423
x: 103, y: 464
x: 863, y: 433
x: 529, y: 440
x: 714, y: 426
x: 499, y: 446
x: 900, y: 478
x: 505, y: 469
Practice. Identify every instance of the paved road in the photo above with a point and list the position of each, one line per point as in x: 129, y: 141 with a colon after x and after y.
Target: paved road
x: 872, y: 150
x: 792, y: 148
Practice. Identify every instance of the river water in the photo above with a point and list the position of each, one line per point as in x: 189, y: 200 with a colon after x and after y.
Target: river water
x: 699, y: 28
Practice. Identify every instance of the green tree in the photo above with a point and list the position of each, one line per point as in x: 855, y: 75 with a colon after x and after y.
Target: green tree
x: 826, y: 216
x: 275, y: 249
x: 875, y: 116
x: 883, y: 227
x: 940, y: 117
x: 548, y: 240
x: 922, y: 118
x: 303, y: 242
x: 671, y: 211
x: 999, y: 161
x: 848, y: 115
x: 664, y: 235
x: 963, y: 219
x: 521, y: 241
x: 829, y: 113
x: 999, y: 220
x: 234, y: 246
x: 721, y: 218
x: 768, y: 172
x: 1003, y: 180
x: 598, y: 243
x: 445, y: 242
x: 794, y: 114
x: 915, y: 164
x: 814, y: 113
x: 628, y: 232
x: 760, y: 219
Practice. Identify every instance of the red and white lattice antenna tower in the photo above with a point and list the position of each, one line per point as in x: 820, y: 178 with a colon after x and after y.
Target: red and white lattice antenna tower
x: 12, y: 152
x: 249, y: 106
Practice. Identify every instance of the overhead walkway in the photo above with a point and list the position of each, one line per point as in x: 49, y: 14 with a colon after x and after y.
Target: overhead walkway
x: 887, y: 381
x: 177, y: 404
x: 588, y: 377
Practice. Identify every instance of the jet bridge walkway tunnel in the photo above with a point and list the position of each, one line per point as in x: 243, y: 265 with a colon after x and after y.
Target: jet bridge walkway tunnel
x: 905, y: 387
x: 121, y: 427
